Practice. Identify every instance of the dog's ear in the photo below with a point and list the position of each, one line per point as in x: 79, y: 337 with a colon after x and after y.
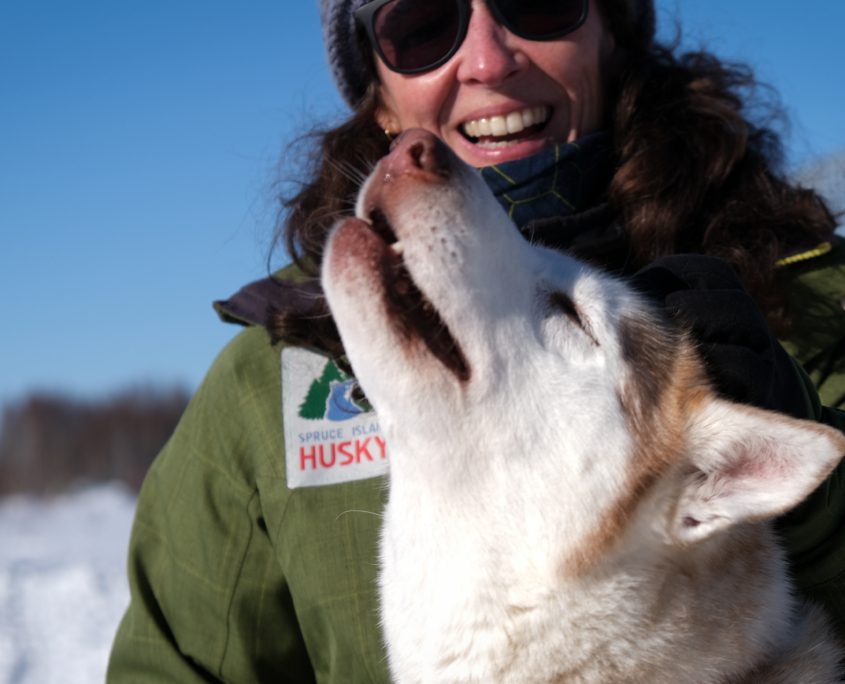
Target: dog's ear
x: 747, y: 464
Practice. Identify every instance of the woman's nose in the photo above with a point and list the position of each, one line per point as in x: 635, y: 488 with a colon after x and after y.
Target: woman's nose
x: 487, y: 55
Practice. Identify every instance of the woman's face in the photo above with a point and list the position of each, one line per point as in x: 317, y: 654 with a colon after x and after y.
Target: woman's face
x: 497, y: 81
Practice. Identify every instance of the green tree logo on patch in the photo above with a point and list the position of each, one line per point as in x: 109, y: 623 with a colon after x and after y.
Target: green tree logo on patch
x: 330, y: 397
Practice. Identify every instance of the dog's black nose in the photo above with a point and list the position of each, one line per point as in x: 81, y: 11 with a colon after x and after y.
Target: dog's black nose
x: 418, y: 150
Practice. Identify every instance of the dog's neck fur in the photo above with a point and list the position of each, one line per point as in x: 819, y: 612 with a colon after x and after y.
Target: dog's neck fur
x: 507, y: 536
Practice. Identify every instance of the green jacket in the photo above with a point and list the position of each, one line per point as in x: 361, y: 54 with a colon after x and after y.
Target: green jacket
x: 235, y: 576
x: 814, y: 533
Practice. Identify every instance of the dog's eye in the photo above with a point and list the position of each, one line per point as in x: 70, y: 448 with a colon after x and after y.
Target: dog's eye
x: 563, y: 302
x: 560, y: 301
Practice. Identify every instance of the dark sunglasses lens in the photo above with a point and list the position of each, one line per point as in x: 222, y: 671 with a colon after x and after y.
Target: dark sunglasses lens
x: 541, y: 18
x: 414, y: 35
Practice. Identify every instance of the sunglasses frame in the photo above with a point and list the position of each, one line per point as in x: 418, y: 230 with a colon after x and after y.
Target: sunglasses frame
x: 365, y: 17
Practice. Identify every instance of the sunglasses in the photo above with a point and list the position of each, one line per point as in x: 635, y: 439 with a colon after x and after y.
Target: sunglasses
x: 412, y: 36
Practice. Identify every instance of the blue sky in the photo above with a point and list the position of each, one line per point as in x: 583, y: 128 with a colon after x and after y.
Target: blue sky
x: 139, y: 143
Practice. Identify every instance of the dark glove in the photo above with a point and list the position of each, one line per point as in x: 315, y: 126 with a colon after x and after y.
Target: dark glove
x: 743, y: 359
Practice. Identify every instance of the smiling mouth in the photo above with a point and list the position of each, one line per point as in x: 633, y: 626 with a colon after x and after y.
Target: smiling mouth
x: 499, y: 131
x: 410, y: 311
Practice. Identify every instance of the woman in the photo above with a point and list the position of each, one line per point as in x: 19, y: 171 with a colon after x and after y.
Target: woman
x: 253, y: 552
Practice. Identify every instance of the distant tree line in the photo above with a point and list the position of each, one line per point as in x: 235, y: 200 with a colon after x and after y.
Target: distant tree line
x: 50, y: 443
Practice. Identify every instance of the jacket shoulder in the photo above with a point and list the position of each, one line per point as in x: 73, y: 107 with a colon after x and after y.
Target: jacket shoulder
x: 289, y: 289
x: 816, y: 299
x: 821, y: 273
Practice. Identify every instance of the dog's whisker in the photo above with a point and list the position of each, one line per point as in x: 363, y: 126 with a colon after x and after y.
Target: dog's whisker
x: 349, y: 171
x: 352, y: 510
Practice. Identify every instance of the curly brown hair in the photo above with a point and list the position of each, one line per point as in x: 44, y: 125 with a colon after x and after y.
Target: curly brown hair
x: 693, y: 173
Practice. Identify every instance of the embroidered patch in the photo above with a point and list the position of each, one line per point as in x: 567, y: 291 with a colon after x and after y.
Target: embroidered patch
x: 330, y: 437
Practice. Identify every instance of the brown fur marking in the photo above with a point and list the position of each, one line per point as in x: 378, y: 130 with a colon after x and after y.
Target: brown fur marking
x: 665, y: 383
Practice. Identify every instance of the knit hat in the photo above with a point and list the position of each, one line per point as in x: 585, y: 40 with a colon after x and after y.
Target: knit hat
x: 348, y: 63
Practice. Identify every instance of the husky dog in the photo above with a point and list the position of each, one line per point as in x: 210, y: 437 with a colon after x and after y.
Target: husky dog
x: 569, y: 499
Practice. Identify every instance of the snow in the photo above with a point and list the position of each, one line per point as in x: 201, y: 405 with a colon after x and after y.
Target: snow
x: 63, y: 584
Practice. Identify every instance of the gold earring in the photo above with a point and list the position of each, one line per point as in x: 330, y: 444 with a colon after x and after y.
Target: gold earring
x: 389, y: 134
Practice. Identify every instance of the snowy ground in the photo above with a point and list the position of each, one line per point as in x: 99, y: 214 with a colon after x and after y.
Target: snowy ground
x: 62, y: 584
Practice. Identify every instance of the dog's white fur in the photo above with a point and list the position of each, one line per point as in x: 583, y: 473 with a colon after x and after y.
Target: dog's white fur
x: 582, y: 508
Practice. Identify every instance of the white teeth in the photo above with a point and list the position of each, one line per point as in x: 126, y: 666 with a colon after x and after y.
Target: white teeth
x: 528, y: 118
x: 514, y: 122
x: 498, y: 126
x: 398, y: 247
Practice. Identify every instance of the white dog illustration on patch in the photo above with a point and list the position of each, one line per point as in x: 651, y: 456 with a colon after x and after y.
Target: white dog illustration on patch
x: 569, y: 500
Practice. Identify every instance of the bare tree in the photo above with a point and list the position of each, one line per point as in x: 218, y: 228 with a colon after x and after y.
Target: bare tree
x: 51, y: 442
